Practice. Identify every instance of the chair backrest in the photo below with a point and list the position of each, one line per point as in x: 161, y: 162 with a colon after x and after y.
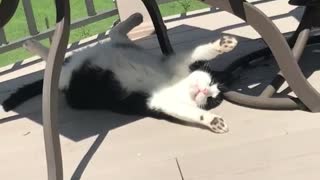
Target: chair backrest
x: 7, y: 10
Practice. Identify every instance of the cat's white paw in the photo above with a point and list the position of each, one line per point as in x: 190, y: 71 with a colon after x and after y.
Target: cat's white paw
x: 225, y: 44
x: 228, y: 43
x: 214, y: 122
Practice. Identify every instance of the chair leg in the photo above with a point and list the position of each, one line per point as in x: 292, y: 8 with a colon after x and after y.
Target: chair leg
x: 300, y: 43
x: 301, y: 33
x: 284, y: 57
x: 159, y: 26
x: 280, y: 49
x: 305, y: 23
x: 50, y: 90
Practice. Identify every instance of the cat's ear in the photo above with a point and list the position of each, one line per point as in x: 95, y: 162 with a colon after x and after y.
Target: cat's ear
x: 213, y: 102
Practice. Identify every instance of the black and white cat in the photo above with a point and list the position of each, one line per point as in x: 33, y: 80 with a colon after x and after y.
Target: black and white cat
x: 122, y: 77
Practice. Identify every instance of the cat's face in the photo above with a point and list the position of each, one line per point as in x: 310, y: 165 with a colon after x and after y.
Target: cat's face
x: 201, y: 96
x: 202, y: 87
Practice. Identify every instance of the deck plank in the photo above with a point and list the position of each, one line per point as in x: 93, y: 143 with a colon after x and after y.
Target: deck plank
x: 294, y: 156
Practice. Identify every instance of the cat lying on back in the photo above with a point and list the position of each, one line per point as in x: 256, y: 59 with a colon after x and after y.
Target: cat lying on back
x: 122, y: 77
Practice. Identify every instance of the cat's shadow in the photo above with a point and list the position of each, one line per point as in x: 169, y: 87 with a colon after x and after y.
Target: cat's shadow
x: 78, y: 125
x: 73, y: 124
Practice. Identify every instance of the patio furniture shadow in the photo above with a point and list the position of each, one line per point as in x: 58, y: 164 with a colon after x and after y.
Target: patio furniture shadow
x: 89, y: 123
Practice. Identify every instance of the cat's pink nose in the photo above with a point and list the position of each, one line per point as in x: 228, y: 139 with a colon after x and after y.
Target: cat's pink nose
x: 205, y: 91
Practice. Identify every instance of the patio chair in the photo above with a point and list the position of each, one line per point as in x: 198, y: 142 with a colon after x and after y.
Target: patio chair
x: 52, y: 71
x: 287, y: 58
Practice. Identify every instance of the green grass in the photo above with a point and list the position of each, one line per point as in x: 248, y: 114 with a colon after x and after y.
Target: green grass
x: 17, y: 27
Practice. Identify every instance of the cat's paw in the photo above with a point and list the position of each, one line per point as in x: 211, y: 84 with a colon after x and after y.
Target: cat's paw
x: 225, y: 44
x: 214, y: 122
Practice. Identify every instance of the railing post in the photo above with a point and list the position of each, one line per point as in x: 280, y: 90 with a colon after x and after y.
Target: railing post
x: 32, y: 26
x: 90, y: 8
x: 3, y: 38
x: 128, y: 7
x: 48, y: 26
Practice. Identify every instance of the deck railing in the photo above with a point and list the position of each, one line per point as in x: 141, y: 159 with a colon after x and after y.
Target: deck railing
x: 92, y: 17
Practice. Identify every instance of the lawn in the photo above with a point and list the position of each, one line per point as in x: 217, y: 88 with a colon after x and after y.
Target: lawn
x: 17, y: 27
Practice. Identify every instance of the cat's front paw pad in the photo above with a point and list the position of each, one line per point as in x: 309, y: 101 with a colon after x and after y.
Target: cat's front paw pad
x: 226, y: 44
x: 215, y: 123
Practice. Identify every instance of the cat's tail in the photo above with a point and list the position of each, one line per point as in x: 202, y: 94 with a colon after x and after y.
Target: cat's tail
x: 118, y: 34
x: 22, y: 94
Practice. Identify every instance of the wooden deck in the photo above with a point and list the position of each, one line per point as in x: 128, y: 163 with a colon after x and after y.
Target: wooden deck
x: 264, y: 145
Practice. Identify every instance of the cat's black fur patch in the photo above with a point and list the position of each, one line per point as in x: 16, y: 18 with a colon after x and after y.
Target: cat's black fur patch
x: 67, y: 60
x: 23, y: 94
x: 219, y: 77
x: 213, y: 102
x: 94, y: 88
x: 198, y: 65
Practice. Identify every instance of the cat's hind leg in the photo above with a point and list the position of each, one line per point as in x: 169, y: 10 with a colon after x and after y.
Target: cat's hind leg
x: 118, y: 34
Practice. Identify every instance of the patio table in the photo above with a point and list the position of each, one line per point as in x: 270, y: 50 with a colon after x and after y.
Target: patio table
x: 285, y: 57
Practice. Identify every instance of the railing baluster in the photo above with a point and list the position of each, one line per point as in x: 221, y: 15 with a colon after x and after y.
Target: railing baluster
x: 48, y: 26
x: 47, y: 33
x: 32, y: 26
x: 3, y: 38
x: 90, y: 8
x: 92, y: 17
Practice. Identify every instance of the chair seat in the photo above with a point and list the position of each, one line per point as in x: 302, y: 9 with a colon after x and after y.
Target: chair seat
x: 305, y: 2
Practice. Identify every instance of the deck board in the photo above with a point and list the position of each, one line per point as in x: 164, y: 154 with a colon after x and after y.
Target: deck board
x: 292, y: 156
